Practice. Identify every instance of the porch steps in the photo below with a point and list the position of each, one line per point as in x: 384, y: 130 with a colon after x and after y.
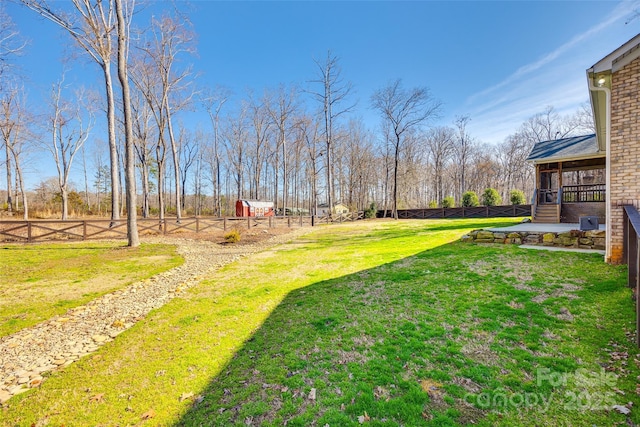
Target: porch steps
x: 547, y: 214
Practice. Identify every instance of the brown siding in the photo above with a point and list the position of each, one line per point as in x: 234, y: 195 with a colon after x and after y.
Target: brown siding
x: 625, y: 150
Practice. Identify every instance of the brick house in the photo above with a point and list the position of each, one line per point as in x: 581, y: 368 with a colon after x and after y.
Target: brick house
x: 614, y: 89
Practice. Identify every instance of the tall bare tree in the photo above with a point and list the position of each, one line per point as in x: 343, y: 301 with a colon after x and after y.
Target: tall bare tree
x: 440, y: 146
x: 333, y: 95
x: 282, y: 106
x: 170, y: 39
x: 463, y: 149
x: 260, y: 129
x: 92, y: 25
x: 70, y: 123
x: 213, y: 102
x: 124, y: 11
x: 403, y: 110
x: 15, y: 134
x: 11, y: 43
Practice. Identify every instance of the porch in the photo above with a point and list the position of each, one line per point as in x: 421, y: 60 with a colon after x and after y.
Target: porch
x: 570, y: 180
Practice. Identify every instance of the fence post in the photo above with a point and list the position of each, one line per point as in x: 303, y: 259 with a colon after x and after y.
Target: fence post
x: 224, y: 223
x: 289, y: 221
x: 29, y: 236
x: 197, y: 225
x: 313, y: 220
x: 637, y: 285
x: 166, y: 228
x: 300, y: 220
x: 84, y: 229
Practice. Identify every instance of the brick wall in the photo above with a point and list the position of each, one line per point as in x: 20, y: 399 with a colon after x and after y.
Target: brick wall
x: 625, y: 150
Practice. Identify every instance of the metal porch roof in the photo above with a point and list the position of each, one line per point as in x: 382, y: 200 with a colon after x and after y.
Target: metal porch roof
x: 576, y: 147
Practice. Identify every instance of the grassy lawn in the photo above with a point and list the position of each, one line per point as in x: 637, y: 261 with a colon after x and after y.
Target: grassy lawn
x: 374, y: 323
x: 38, y: 282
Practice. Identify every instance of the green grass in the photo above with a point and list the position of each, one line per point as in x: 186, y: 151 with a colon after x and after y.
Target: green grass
x: 38, y: 282
x: 394, y: 322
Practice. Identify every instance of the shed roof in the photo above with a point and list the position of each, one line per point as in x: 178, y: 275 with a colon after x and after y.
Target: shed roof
x: 257, y: 203
x: 573, y: 148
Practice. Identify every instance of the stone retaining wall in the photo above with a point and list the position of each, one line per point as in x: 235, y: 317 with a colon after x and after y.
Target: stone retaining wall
x: 594, y: 239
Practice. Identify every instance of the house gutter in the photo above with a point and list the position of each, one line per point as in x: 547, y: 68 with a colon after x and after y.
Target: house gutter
x: 607, y: 94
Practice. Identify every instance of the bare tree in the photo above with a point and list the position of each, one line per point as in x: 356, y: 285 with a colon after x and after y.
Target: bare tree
x: 281, y: 107
x: 236, y: 136
x: 149, y: 86
x: 15, y: 134
x: 440, y: 146
x: 11, y: 43
x: 171, y: 38
x: 260, y: 129
x: 188, y: 151
x: 213, y: 102
x: 69, y: 129
x: 463, y: 149
x: 129, y: 167
x: 311, y: 134
x: 333, y: 94
x: 93, y: 27
x: 403, y: 110
x: 143, y: 135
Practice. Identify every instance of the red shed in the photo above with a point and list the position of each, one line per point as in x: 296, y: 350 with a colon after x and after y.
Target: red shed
x: 254, y: 208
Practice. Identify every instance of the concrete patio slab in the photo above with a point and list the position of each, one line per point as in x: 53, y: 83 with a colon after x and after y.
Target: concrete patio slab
x: 542, y: 228
x: 556, y: 248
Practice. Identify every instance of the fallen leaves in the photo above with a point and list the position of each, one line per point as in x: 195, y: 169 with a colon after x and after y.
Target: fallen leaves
x: 148, y: 415
x: 97, y: 398
x: 364, y: 418
x: 431, y: 387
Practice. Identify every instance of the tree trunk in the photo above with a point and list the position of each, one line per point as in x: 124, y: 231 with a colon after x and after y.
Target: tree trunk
x: 64, y: 195
x: 130, y: 171
x: 176, y: 162
x: 9, y: 194
x: 113, y: 146
x: 395, y: 178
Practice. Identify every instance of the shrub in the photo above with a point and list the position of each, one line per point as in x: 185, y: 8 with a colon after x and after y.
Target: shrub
x: 372, y: 211
x: 433, y: 204
x: 491, y: 197
x: 448, y: 202
x: 517, y: 197
x: 233, y: 236
x: 470, y: 199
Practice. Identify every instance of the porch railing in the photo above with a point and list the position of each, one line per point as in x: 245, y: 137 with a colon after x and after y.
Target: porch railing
x: 584, y: 193
x: 631, y: 243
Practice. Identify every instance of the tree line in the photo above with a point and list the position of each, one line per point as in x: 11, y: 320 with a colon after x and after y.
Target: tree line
x: 297, y: 145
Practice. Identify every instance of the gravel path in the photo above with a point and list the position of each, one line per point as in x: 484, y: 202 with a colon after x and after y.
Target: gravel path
x: 58, y: 342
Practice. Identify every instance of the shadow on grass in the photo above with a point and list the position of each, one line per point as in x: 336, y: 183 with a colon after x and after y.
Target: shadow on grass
x: 407, y: 343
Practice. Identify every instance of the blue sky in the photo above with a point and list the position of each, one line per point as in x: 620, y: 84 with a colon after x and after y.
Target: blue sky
x: 498, y: 62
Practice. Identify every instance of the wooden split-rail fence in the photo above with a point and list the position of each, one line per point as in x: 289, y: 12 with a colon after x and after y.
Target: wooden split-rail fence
x: 88, y: 229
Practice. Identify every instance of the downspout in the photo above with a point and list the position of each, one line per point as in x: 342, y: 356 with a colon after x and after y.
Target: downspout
x: 607, y: 93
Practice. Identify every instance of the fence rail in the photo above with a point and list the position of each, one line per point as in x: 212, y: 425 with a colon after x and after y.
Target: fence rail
x: 89, y: 229
x: 631, y: 244
x: 472, y: 212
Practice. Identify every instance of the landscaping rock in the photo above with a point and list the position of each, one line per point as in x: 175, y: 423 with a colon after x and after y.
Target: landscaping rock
x: 548, y: 237
x: 484, y: 235
x: 60, y: 341
x: 532, y: 239
x: 499, y: 236
x: 595, y: 233
x: 514, y: 236
x: 484, y: 241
